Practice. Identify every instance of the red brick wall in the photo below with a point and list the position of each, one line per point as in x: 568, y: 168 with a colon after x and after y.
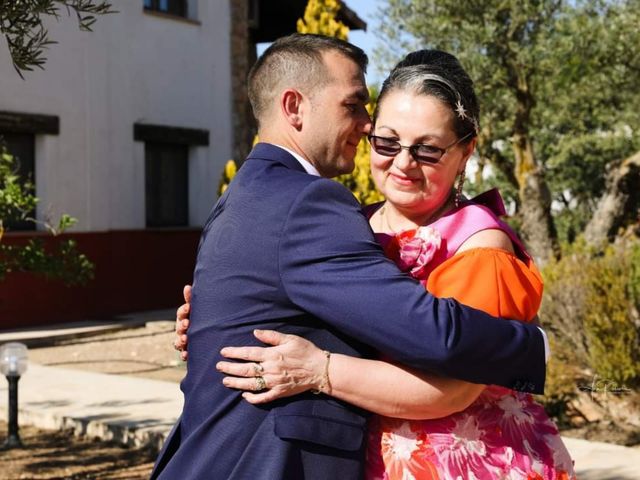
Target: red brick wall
x: 134, y: 270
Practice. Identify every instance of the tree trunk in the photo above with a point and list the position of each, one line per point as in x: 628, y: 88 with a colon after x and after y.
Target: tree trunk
x: 619, y: 205
x: 538, y: 230
x: 243, y: 56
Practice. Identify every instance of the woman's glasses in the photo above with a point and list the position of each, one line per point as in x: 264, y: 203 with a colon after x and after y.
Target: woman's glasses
x: 421, y: 152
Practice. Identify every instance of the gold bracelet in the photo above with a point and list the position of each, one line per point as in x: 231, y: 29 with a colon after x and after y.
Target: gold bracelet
x: 325, y: 386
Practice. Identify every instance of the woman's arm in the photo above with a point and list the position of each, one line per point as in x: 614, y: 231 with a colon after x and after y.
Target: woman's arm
x: 397, y: 391
x: 380, y: 387
x: 295, y: 365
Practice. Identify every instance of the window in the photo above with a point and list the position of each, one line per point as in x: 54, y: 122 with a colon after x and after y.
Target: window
x: 172, y: 7
x: 22, y: 147
x: 167, y: 171
x: 167, y: 184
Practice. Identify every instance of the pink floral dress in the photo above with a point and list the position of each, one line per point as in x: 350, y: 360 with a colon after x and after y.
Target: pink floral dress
x: 503, y: 434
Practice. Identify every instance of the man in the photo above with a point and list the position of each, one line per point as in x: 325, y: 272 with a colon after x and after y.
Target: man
x: 285, y: 249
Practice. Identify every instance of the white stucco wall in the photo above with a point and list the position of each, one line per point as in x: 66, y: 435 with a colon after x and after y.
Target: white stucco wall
x: 134, y: 67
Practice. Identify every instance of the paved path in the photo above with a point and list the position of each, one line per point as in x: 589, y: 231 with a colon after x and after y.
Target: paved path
x: 603, y: 461
x: 136, y: 411
x: 132, y: 411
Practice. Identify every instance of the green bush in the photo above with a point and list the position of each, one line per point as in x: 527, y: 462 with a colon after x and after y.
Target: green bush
x: 634, y: 277
x: 591, y: 307
x: 611, y: 333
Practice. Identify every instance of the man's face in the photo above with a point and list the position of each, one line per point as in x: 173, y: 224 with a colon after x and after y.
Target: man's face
x: 337, y: 119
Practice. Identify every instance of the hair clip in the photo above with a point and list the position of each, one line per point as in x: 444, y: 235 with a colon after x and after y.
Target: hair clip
x: 462, y: 114
x: 460, y: 110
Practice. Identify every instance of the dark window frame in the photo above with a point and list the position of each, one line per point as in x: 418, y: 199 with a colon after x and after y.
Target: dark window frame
x: 18, y: 122
x: 174, y: 8
x: 146, y: 132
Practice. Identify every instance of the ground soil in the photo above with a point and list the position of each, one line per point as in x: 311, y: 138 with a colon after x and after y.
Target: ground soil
x: 59, y: 455
x: 138, y: 352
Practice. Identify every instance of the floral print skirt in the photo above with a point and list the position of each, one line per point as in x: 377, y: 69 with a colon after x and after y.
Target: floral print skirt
x: 502, y: 435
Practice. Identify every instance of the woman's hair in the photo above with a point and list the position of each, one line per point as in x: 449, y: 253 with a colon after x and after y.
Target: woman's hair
x: 440, y: 75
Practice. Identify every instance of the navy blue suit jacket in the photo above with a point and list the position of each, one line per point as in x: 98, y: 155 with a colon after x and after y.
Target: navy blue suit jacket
x: 289, y: 251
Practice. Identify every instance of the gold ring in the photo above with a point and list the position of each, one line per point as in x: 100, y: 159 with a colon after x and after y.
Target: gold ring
x: 258, y: 369
x: 260, y: 384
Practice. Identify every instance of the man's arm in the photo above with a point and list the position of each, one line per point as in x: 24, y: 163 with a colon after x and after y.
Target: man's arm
x: 332, y: 267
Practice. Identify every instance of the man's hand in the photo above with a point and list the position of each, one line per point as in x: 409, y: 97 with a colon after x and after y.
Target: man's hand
x: 182, y: 323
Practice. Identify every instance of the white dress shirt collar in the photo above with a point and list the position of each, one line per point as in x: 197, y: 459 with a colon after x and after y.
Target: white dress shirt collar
x: 308, y: 167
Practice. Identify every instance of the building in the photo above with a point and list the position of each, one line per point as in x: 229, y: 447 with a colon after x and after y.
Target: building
x: 128, y: 129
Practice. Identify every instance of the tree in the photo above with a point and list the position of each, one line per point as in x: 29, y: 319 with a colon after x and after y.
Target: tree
x: 320, y: 18
x: 592, y: 113
x: 21, y: 25
x: 551, y: 78
x: 618, y: 205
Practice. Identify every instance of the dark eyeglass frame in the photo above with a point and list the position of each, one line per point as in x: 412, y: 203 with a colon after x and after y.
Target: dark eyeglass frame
x: 432, y: 157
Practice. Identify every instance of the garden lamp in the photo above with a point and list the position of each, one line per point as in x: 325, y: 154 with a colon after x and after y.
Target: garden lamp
x: 13, y: 363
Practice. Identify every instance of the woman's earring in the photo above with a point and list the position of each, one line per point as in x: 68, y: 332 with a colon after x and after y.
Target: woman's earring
x: 459, y: 190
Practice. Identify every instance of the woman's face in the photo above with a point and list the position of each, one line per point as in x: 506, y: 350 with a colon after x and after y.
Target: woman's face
x: 410, y: 119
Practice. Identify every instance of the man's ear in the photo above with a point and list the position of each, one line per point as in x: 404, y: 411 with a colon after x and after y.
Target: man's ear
x: 291, y: 105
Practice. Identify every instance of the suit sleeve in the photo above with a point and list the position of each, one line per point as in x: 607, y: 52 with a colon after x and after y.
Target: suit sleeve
x: 331, y: 267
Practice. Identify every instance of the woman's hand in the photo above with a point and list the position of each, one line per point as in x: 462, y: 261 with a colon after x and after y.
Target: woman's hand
x: 293, y: 365
x: 182, y: 323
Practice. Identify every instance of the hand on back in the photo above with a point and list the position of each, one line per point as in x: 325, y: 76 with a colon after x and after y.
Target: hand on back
x: 182, y: 323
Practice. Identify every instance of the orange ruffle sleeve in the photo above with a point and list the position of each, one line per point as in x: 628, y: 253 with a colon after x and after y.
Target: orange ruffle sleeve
x: 492, y: 280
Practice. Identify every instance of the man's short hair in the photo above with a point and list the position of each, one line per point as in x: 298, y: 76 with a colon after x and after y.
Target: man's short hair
x: 295, y: 61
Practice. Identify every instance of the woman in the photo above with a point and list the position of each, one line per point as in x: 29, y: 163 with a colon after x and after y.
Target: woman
x: 424, y: 131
